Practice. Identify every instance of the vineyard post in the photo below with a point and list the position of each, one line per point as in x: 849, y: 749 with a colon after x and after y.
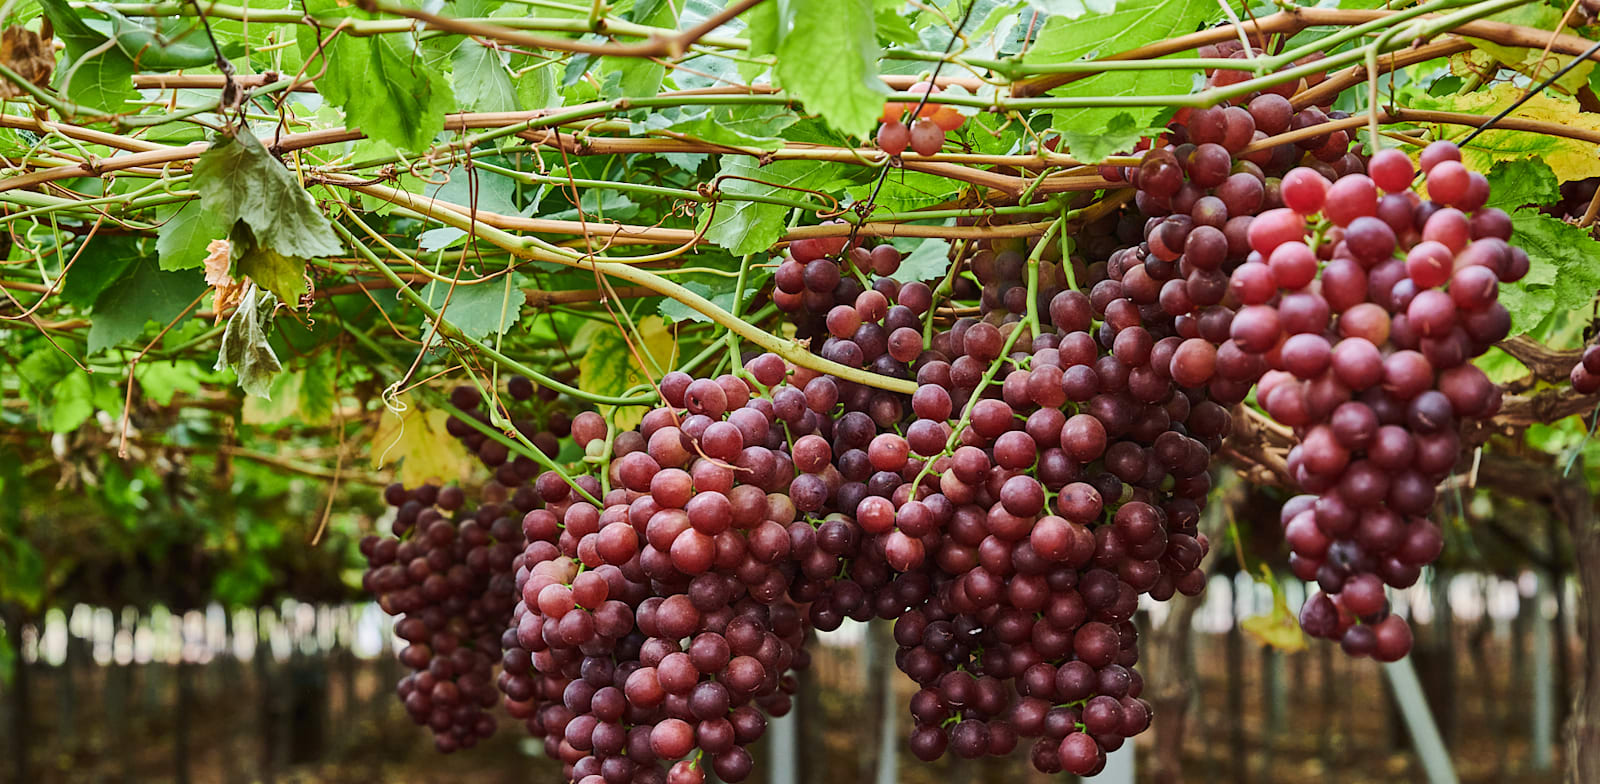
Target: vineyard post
x: 1402, y: 677
x: 1542, y: 740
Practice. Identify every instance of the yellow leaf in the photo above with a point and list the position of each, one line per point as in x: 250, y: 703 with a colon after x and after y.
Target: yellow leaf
x: 1535, y: 63
x: 610, y: 367
x: 418, y: 440
x: 1279, y: 628
x: 1570, y: 159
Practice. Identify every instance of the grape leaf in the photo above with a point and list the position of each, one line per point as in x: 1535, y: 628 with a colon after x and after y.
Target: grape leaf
x: 479, y: 309
x: 1562, y: 277
x: 1570, y: 159
x: 759, y: 127
x: 302, y: 397
x: 928, y: 260
x: 482, y: 82
x: 160, y: 381
x: 100, y: 78
x: 245, y: 347
x: 719, y: 289
x: 99, y: 265
x: 1516, y: 183
x: 418, y: 439
x: 1121, y: 133
x: 184, y: 233
x: 239, y: 180
x: 59, y: 390
x: 1278, y: 628
x: 385, y: 90
x: 829, y: 60
x: 608, y: 365
x: 745, y: 227
x: 284, y: 276
x: 1134, y: 23
x: 1536, y: 64
x: 146, y: 293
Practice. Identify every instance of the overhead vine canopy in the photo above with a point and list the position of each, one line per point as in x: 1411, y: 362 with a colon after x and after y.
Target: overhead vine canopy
x: 275, y: 234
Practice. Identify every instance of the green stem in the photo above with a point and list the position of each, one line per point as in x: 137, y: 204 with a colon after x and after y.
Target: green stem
x: 450, y: 331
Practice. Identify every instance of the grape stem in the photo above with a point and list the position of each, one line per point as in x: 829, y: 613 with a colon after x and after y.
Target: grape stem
x: 446, y: 329
x: 999, y: 362
x: 412, y: 206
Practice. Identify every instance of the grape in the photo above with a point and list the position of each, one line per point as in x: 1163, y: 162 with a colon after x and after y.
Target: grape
x: 926, y: 137
x: 893, y: 137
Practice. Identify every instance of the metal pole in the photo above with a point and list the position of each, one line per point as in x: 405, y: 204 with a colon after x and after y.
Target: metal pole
x: 1419, y: 722
x: 1542, y: 738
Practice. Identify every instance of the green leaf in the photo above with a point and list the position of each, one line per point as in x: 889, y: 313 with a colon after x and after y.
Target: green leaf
x: 71, y: 403
x: 184, y: 233
x: 536, y: 86
x: 641, y: 75
x: 1516, y: 183
x: 245, y: 348
x: 829, y: 60
x: 102, y: 80
x: 284, y: 276
x: 745, y: 227
x: 760, y: 127
x: 482, y: 81
x: 1562, y: 277
x: 929, y: 260
x: 169, y: 45
x: 1134, y: 23
x: 385, y: 90
x: 719, y: 289
x: 147, y: 293
x: 239, y: 180
x: 161, y: 381
x: 480, y: 309
x: 1536, y: 63
x: 481, y: 188
x: 1121, y: 133
x: 77, y: 35
x: 99, y: 264
x: 893, y: 27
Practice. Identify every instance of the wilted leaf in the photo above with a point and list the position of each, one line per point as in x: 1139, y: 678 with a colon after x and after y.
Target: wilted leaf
x: 1278, y: 628
x: 29, y: 54
x: 239, y: 180
x: 284, y: 276
x: 245, y: 348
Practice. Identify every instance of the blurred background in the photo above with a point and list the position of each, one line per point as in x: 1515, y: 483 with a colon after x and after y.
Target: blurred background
x: 154, y: 633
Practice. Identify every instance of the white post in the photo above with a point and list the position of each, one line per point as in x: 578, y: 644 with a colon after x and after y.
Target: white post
x: 1119, y: 766
x: 783, y: 730
x: 1542, y: 737
x: 1419, y: 721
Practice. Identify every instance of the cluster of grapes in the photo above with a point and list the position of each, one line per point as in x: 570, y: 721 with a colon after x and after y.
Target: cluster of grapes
x: 446, y: 573
x: 666, y: 618
x: 816, y: 276
x: 925, y: 134
x: 1368, y: 360
x: 1586, y: 373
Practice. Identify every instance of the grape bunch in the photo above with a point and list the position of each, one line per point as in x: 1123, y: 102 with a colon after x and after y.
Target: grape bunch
x: 447, y: 574
x: 1365, y: 328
